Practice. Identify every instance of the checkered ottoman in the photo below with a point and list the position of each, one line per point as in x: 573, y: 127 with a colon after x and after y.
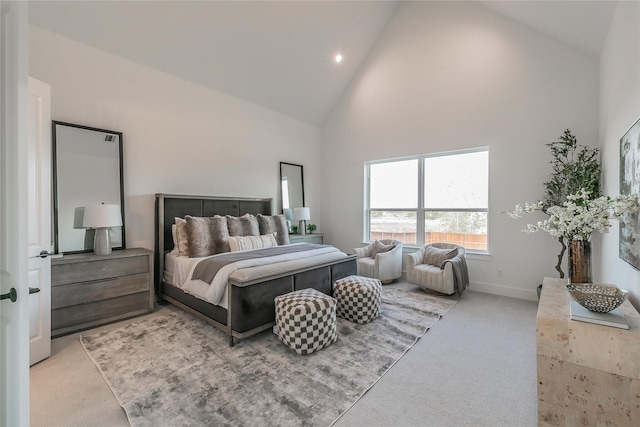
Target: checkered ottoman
x: 306, y: 320
x: 358, y: 298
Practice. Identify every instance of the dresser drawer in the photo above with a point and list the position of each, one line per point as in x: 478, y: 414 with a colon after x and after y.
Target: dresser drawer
x: 315, y: 238
x: 80, y: 293
x: 64, y: 274
x: 92, y: 314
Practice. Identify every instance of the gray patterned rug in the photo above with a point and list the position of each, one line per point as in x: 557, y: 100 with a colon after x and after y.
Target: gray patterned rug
x: 176, y: 370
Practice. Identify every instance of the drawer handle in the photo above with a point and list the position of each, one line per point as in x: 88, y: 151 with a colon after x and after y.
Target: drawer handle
x: 106, y: 279
x: 44, y: 254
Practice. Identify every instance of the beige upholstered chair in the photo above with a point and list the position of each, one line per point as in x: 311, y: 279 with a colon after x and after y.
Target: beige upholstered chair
x: 381, y: 260
x: 440, y: 267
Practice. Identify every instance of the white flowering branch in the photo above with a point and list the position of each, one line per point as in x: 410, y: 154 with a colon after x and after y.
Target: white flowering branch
x: 579, y: 216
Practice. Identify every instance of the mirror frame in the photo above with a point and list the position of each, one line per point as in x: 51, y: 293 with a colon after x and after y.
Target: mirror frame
x: 54, y: 161
x: 301, y: 184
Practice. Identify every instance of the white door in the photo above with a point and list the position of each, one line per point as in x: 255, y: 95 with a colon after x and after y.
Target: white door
x: 39, y: 220
x: 14, y: 316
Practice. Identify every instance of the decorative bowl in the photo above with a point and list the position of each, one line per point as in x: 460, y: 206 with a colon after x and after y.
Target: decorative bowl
x: 597, y: 297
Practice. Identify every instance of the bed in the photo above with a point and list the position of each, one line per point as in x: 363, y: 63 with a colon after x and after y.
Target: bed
x: 244, y: 305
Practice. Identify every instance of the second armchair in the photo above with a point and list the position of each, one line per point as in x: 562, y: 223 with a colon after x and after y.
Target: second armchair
x: 441, y: 267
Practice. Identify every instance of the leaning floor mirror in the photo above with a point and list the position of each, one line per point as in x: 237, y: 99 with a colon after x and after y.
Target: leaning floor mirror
x: 291, y: 186
x: 87, y: 171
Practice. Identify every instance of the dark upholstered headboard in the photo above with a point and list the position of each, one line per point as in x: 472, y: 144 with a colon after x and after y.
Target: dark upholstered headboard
x: 169, y: 206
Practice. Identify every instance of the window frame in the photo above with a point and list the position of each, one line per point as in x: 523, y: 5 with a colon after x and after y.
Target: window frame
x: 421, y: 210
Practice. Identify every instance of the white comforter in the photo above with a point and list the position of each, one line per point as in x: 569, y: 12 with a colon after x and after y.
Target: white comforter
x: 216, y: 291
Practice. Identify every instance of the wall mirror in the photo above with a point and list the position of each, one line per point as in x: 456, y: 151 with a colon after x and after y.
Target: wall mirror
x: 87, y: 170
x: 292, y: 186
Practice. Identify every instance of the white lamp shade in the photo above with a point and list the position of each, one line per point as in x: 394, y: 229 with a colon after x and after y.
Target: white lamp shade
x: 301, y: 214
x: 101, y: 216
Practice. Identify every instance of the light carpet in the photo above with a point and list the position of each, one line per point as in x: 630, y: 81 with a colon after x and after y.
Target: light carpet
x: 178, y: 370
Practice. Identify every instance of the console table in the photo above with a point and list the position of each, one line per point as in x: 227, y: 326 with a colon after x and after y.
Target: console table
x: 588, y: 375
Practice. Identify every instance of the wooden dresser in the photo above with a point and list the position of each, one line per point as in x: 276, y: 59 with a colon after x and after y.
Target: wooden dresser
x: 307, y: 238
x: 89, y: 290
x: 588, y: 375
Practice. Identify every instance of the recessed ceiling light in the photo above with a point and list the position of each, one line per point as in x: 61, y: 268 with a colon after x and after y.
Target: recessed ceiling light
x: 338, y: 58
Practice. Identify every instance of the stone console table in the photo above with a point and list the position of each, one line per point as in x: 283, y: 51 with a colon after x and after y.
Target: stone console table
x: 588, y: 375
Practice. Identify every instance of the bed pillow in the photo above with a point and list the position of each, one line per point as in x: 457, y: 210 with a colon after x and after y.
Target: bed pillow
x: 378, y: 247
x: 206, y: 235
x: 245, y: 243
x: 274, y: 224
x: 246, y: 225
x: 181, y: 236
x: 174, y: 237
x: 436, y: 256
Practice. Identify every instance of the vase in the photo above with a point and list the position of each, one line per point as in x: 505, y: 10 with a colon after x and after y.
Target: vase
x: 579, y: 261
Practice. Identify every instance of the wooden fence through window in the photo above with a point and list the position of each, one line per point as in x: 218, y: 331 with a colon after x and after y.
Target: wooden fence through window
x: 466, y: 240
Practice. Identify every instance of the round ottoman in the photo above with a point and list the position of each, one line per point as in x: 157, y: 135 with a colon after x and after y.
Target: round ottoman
x: 358, y: 298
x: 305, y: 320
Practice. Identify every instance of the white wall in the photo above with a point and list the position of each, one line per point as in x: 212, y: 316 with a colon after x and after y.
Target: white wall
x: 443, y: 76
x: 454, y: 75
x: 179, y: 137
x: 619, y: 109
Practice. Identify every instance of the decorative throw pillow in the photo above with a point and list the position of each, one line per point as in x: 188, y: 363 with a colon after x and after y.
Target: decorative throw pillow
x: 174, y: 236
x: 207, y: 235
x: 378, y: 247
x: 274, y: 224
x: 245, y: 243
x: 246, y: 225
x: 181, y: 236
x: 436, y: 256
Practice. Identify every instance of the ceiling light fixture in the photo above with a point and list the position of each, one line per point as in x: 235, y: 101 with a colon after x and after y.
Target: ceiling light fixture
x: 338, y: 58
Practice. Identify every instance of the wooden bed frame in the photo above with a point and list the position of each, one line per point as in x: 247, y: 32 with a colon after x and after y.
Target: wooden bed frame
x: 251, y: 307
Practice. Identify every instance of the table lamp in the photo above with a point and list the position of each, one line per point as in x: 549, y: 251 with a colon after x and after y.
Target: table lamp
x: 100, y: 218
x: 302, y: 215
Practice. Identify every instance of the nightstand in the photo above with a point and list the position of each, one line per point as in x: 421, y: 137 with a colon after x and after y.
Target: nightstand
x: 307, y: 238
x: 88, y: 290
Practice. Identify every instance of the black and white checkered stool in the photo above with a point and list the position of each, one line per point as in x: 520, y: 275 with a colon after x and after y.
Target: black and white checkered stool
x: 358, y: 298
x: 306, y: 320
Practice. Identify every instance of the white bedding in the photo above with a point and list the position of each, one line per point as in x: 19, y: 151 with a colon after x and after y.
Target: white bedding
x: 170, y: 259
x: 216, y: 292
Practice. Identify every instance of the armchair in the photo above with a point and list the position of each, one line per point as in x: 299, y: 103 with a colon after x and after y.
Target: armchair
x: 381, y: 260
x: 440, y: 267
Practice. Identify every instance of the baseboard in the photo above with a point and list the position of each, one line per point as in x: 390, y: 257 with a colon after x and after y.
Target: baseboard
x: 506, y: 291
x: 491, y: 288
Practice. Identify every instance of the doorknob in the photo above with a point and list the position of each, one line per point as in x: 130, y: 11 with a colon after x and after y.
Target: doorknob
x: 44, y: 254
x: 11, y: 295
x: 33, y: 290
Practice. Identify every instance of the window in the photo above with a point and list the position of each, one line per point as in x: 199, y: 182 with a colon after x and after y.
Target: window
x: 430, y: 198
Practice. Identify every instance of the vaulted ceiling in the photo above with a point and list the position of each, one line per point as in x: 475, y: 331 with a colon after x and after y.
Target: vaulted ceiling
x: 278, y: 54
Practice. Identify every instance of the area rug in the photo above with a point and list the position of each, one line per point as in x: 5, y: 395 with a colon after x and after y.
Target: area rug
x: 178, y: 370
